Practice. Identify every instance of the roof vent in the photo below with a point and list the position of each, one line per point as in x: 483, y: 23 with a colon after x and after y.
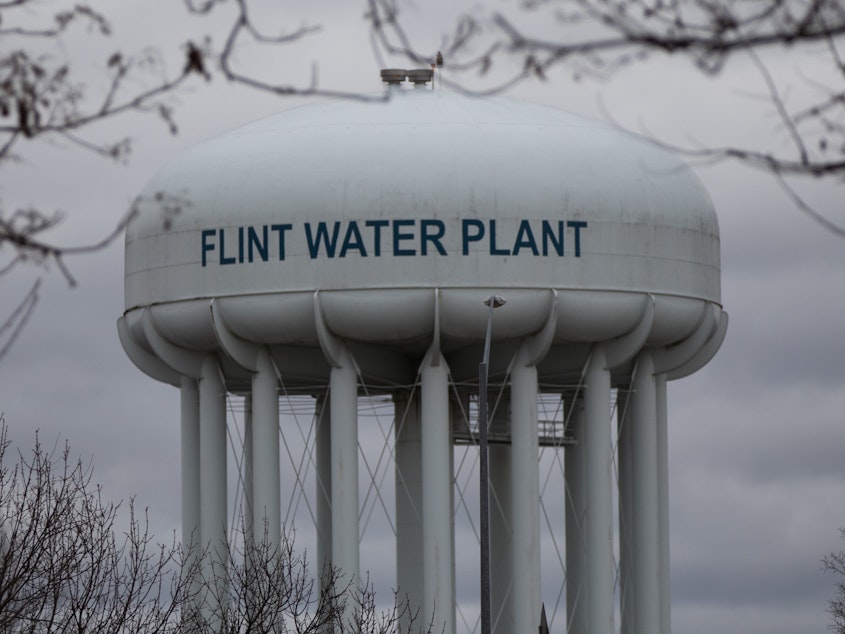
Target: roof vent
x: 393, y: 76
x: 420, y: 76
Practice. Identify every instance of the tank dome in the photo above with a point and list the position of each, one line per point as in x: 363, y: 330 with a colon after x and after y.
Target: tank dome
x: 376, y: 204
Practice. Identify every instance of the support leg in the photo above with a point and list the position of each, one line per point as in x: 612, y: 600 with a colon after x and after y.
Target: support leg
x: 265, y: 450
x: 663, y: 502
x: 323, y: 459
x: 525, y: 496
x: 645, y: 570
x: 344, y: 449
x: 626, y: 505
x: 576, y: 537
x: 409, y: 501
x: 191, y: 535
x: 597, y: 437
x: 501, y: 562
x: 213, y: 522
x: 438, y: 554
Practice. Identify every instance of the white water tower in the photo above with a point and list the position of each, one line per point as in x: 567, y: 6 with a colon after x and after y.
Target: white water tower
x: 346, y: 244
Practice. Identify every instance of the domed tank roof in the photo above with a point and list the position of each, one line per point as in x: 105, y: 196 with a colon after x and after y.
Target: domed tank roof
x: 371, y: 203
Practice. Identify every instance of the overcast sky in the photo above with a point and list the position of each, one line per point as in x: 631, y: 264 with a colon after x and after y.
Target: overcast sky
x: 757, y: 478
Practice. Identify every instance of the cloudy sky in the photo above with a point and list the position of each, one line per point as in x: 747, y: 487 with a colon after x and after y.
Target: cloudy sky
x: 756, y: 476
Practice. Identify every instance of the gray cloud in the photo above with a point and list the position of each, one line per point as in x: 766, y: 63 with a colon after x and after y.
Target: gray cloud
x: 756, y: 475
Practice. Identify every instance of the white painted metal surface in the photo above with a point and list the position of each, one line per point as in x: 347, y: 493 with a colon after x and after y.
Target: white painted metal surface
x: 525, y: 499
x: 409, y: 504
x: 438, y: 556
x: 598, y: 532
x: 373, y: 204
x: 346, y: 243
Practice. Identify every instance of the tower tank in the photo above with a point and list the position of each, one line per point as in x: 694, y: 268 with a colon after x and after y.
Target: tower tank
x: 351, y: 243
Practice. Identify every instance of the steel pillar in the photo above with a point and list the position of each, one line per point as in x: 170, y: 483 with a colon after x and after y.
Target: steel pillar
x: 409, y: 501
x: 644, y: 540
x: 249, y: 524
x: 344, y: 464
x: 190, y: 430
x: 213, y: 497
x: 663, y: 501
x: 599, y: 517
x: 266, y: 487
x: 576, y: 509
x: 501, y: 562
x: 323, y: 460
x: 191, y: 509
x: 437, y: 521
x: 626, y: 593
x: 525, y: 497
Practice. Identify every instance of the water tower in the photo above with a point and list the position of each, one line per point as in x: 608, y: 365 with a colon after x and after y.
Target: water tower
x: 346, y: 244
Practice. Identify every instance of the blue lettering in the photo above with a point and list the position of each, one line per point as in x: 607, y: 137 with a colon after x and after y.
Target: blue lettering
x: 259, y: 244
x: 325, y: 239
x: 549, y: 237
x: 439, y: 230
x: 377, y: 226
x: 398, y: 237
x: 577, y: 225
x: 353, y: 240
x: 280, y: 229
x: 493, y: 249
x: 223, y: 258
x: 525, y: 238
x: 206, y: 247
x: 467, y: 236
x: 322, y: 236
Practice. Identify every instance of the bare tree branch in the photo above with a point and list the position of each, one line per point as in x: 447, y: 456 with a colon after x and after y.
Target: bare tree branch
x: 602, y: 37
x: 11, y: 328
x: 834, y: 562
x: 64, y: 563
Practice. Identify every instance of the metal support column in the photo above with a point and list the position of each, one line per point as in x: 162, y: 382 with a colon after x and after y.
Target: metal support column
x: 323, y: 460
x: 344, y: 464
x: 265, y: 450
x: 437, y: 521
x: 645, y: 554
x: 190, y: 428
x: 409, y: 501
x: 191, y: 520
x: 599, y: 524
x: 663, y: 501
x: 249, y: 524
x: 525, y: 496
x: 576, y: 509
x: 626, y: 592
x: 213, y: 514
x: 501, y: 563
